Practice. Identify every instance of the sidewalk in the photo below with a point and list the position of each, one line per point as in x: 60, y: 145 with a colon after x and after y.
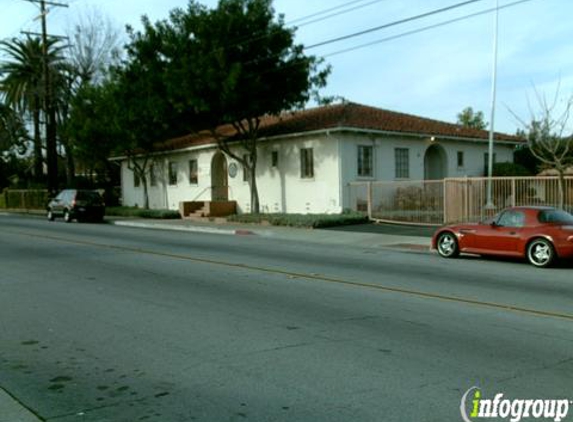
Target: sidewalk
x: 13, y: 411
x: 347, y: 236
x: 364, y: 236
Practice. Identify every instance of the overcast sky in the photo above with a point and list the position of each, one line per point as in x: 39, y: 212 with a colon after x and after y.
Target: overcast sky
x: 435, y: 73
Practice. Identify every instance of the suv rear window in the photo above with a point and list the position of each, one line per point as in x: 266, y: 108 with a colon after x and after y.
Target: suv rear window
x: 555, y: 216
x: 88, y: 196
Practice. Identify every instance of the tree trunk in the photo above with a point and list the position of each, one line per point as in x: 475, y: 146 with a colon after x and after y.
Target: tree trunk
x: 38, y: 161
x: 561, y: 184
x: 70, y: 165
x: 255, y: 206
x: 145, y: 191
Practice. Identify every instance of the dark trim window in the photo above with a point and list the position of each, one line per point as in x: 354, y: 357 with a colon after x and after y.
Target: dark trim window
x: 306, y: 163
x: 486, y: 161
x: 136, y: 179
x: 152, y: 175
x: 365, y: 161
x: 402, y: 162
x: 172, y: 173
x: 460, y: 158
x: 246, y: 158
x: 274, y: 159
x: 193, y: 172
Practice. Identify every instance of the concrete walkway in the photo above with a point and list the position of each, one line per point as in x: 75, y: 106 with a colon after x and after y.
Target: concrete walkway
x: 349, y: 237
x: 13, y: 411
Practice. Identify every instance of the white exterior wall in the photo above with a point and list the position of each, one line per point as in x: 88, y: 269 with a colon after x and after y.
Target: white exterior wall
x: 384, y: 157
x: 281, y: 189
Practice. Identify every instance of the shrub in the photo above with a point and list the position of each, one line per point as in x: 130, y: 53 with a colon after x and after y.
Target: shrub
x: 142, y: 213
x: 510, y: 170
x: 301, y: 220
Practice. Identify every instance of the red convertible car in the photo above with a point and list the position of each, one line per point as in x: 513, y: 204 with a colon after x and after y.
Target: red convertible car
x: 540, y: 234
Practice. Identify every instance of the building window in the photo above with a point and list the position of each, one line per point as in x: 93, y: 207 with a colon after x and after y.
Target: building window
x: 136, y: 179
x: 246, y: 159
x: 365, y: 161
x: 306, y: 163
x: 275, y: 159
x: 402, y: 160
x: 152, y: 175
x: 460, y: 158
x: 486, y: 161
x: 193, y: 172
x: 172, y: 173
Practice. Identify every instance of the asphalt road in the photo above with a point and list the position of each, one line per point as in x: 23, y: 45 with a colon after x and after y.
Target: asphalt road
x: 104, y: 323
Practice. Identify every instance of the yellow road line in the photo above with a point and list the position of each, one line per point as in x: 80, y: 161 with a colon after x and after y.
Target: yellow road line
x: 408, y: 292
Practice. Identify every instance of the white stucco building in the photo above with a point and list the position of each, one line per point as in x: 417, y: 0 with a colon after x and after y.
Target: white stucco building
x: 307, y: 159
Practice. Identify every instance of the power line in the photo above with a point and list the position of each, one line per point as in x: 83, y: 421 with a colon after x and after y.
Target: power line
x: 253, y: 38
x: 332, y: 15
x: 395, y: 23
x: 425, y: 28
x: 324, y: 11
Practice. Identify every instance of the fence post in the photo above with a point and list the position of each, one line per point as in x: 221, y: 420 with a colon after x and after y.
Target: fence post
x: 445, y: 194
x: 513, y: 192
x: 370, y: 200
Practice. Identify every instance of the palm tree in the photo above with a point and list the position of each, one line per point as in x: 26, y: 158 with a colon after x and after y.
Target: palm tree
x: 23, y: 85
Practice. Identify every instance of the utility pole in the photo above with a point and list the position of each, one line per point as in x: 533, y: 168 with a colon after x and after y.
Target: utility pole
x: 489, y: 204
x: 49, y: 109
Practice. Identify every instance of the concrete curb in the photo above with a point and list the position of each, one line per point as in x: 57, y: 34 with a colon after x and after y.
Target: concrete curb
x: 13, y: 411
x: 198, y: 229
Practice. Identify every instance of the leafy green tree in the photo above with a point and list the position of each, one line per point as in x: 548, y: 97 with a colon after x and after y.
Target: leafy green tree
x: 472, y: 119
x: 229, y: 65
x: 91, y: 128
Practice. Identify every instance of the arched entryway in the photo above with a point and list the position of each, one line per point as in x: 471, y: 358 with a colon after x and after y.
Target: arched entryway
x: 219, y: 180
x: 435, y: 163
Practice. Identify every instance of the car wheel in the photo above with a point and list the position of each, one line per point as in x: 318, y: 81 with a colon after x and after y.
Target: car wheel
x: 447, y: 245
x: 50, y: 215
x: 67, y: 216
x: 540, y: 253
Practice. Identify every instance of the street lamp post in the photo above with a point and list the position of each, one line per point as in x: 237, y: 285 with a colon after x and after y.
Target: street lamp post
x: 489, y: 203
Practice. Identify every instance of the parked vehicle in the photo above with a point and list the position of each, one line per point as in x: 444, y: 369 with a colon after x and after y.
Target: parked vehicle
x: 76, y: 204
x: 539, y: 234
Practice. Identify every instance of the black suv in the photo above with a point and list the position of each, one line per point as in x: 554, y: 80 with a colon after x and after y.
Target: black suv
x: 76, y: 204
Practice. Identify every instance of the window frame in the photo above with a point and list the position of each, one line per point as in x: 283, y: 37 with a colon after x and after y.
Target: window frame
x: 172, y: 173
x: 152, y: 175
x: 401, y: 163
x: 307, y: 163
x: 365, y: 168
x: 193, y: 172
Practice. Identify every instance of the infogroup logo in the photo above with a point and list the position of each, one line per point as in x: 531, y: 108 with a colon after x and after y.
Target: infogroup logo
x: 474, y: 407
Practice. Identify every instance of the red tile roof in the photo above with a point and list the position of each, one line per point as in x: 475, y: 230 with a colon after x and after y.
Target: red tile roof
x: 345, y: 116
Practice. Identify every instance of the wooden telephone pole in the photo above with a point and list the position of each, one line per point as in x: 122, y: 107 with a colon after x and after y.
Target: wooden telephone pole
x: 49, y: 108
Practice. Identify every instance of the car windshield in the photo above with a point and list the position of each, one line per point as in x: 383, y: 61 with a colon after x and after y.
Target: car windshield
x: 555, y: 216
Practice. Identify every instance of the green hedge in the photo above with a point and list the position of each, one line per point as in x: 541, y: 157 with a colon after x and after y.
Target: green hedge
x: 301, y: 220
x: 142, y: 213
